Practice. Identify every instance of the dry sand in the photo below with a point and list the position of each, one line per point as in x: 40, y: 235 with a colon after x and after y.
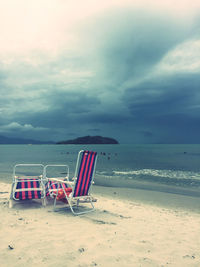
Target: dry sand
x: 122, y: 231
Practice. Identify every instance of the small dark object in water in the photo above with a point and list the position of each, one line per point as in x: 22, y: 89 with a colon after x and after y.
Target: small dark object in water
x: 185, y: 152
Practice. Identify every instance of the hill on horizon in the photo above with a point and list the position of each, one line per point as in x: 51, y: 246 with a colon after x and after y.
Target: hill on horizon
x: 20, y: 141
x: 90, y: 140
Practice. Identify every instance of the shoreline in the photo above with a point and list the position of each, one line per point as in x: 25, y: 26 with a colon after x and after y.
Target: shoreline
x: 150, y: 197
x: 148, y: 186
x: 128, y: 228
x: 160, y: 198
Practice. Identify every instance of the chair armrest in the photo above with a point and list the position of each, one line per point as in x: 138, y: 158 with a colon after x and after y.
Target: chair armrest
x: 61, y: 181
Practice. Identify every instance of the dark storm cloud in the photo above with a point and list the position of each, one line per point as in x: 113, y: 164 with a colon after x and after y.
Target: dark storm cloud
x: 108, y: 118
x: 131, y: 41
x: 176, y: 94
x: 117, y: 80
x: 171, y: 106
x: 66, y: 108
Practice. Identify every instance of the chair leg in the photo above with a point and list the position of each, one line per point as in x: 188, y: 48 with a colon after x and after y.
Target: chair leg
x: 54, y: 203
x: 82, y: 212
x: 44, y: 202
x: 10, y: 203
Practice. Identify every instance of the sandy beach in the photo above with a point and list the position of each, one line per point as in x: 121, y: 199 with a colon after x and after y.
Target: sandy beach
x: 127, y: 228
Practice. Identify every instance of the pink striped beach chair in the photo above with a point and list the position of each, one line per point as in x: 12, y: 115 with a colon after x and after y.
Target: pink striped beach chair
x: 51, y: 184
x: 81, y: 184
x: 52, y: 187
x: 26, y: 187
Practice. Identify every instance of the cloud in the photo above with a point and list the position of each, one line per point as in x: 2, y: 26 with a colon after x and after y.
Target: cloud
x: 165, y: 93
x: 121, y: 69
x: 15, y: 126
x: 184, y: 58
x: 168, y: 106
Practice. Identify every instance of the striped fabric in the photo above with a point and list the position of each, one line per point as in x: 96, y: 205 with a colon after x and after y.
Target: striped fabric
x: 52, y: 186
x: 85, y: 173
x: 26, y: 193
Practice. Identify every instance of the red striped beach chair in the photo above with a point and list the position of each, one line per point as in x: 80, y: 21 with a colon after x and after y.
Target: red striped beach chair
x: 51, y: 185
x: 28, y: 187
x: 81, y: 186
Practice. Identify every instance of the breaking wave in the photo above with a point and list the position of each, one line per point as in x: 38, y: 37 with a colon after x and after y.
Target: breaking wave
x: 161, y: 173
x: 169, y: 177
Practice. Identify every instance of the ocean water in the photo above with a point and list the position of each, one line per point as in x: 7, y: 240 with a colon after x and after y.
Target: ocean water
x: 167, y: 168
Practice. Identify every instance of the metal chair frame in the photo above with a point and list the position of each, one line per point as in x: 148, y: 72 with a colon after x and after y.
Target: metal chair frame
x: 76, y: 200
x: 20, y: 179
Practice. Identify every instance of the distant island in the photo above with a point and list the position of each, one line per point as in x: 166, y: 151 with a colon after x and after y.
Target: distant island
x: 80, y: 140
x: 92, y: 140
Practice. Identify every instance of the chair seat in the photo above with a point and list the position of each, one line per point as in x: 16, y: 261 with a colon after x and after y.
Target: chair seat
x: 28, y: 194
x: 52, y: 186
x: 61, y: 193
x: 28, y: 183
x: 28, y: 189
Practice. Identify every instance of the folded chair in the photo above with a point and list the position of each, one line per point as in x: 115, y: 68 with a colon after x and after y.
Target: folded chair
x: 79, y: 190
x: 51, y: 184
x: 28, y: 187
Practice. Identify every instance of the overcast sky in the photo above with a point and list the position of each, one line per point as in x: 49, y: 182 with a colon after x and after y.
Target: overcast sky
x: 119, y: 68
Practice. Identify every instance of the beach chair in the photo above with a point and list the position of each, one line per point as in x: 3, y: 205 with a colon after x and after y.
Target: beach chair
x: 27, y: 187
x: 51, y: 185
x: 78, y: 190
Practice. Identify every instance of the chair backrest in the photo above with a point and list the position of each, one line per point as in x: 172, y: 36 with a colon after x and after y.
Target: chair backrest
x: 85, y: 168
